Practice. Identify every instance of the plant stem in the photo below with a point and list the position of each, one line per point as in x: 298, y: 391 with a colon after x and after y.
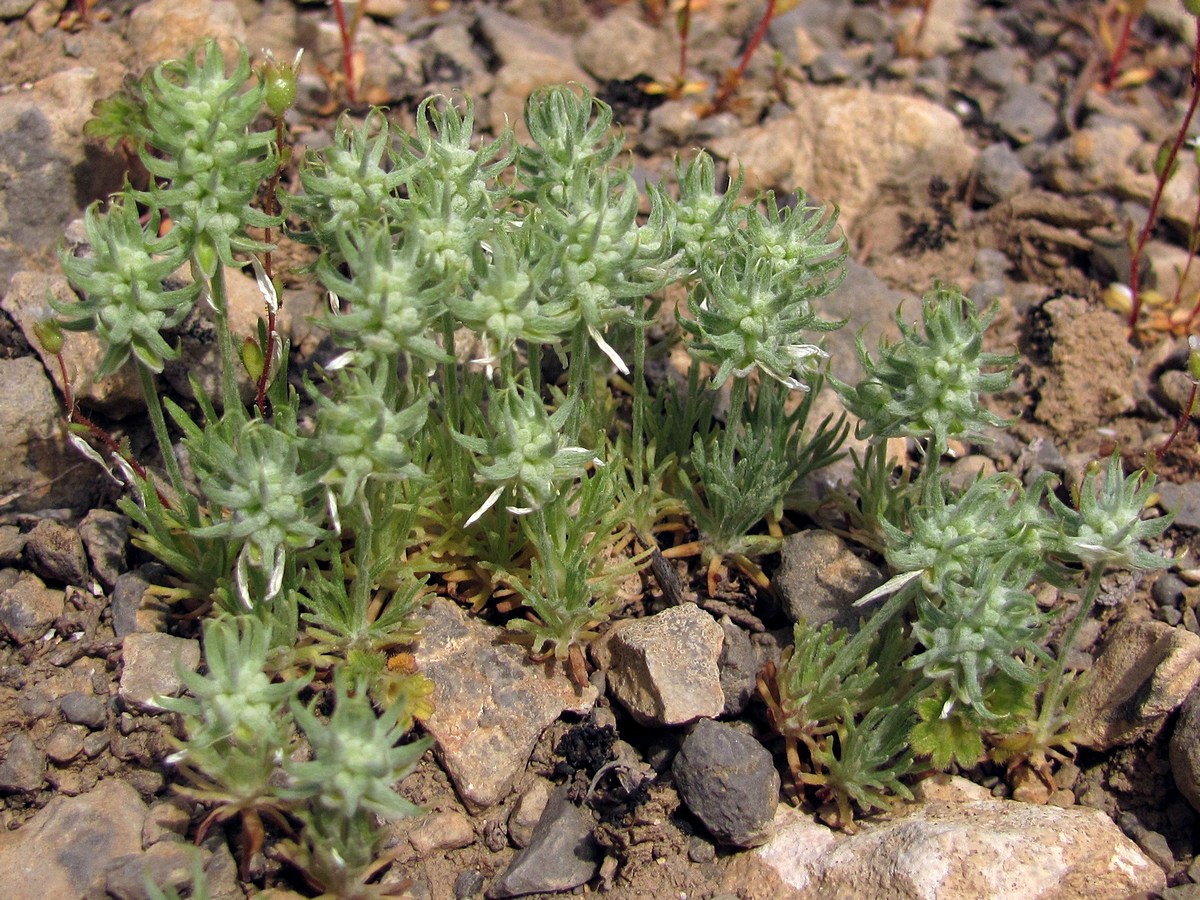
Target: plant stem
x: 158, y: 423
x: 1160, y: 186
x: 734, y: 79
x: 347, y: 50
x: 1052, y: 697
x: 637, y: 442
x: 733, y: 420
x: 230, y: 399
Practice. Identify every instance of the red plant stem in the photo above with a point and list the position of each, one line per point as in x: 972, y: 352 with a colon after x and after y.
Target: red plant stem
x: 1122, y: 47
x: 1156, y: 200
x: 347, y: 62
x: 735, y: 78
x: 685, y: 30
x: 1184, y: 415
x: 272, y: 208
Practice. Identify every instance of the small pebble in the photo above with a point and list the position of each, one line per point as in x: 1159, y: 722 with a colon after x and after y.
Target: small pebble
x: 469, y: 883
x: 84, y: 709
x: 65, y: 743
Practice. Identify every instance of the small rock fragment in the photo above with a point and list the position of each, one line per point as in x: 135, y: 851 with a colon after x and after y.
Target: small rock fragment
x: 150, y: 668
x: 738, y: 665
x: 84, y: 709
x: 55, y: 552
x: 1185, y: 750
x: 24, y: 766
x: 527, y: 812
x: 165, y: 865
x: 562, y: 853
x: 728, y: 780
x: 29, y: 608
x: 105, y: 534
x: 442, y: 831
x: 65, y: 743
x: 819, y: 579
x: 663, y: 668
x: 1144, y: 672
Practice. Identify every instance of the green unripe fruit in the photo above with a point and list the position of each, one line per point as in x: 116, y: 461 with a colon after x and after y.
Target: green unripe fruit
x: 1192, y: 6
x: 49, y: 335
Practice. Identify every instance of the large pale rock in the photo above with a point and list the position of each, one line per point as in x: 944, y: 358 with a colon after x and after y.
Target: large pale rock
x: 663, y: 668
x: 69, y: 843
x: 977, y: 850
x: 1144, y: 672
x: 820, y: 578
x: 47, y: 168
x: 164, y: 29
x: 152, y: 665
x: 851, y: 145
x: 491, y: 703
x: 622, y: 45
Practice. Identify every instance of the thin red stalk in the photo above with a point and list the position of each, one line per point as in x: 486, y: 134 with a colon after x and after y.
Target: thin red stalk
x: 264, y: 377
x: 735, y: 78
x: 1122, y: 47
x: 347, y: 40
x: 1180, y: 421
x: 1156, y: 200
x: 925, y: 7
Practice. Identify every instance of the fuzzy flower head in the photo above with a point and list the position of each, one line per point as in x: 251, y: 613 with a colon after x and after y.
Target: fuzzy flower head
x: 928, y: 386
x: 1108, y: 530
x: 126, y: 304
x: 525, y: 456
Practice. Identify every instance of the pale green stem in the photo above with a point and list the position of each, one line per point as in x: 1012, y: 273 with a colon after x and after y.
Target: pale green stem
x: 230, y: 398
x: 159, y: 425
x: 637, y: 442
x: 733, y: 421
x: 1052, y: 696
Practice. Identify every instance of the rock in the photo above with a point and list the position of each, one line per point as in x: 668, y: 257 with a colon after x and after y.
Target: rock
x: 12, y: 545
x: 530, y: 57
x: 55, y: 552
x: 621, y: 45
x: 728, y: 780
x: 869, y: 305
x: 1025, y: 115
x: 1000, y: 174
x: 23, y: 769
x: 165, y: 865
x: 490, y: 702
x: 1000, y: 66
x: 84, y: 709
x: 442, y: 831
x: 152, y: 663
x: 527, y: 812
x: 978, y: 850
x: 450, y: 62
x: 1185, y: 750
x: 945, y: 23
x: 738, y: 666
x: 14, y: 9
x: 166, y: 820
x: 1095, y: 158
x: 162, y: 29
x: 1144, y: 672
x: 67, y: 844
x: 49, y: 171
x: 117, y: 396
x: 105, y: 534
x: 820, y: 577
x: 1183, y: 500
x: 65, y: 743
x: 130, y: 612
x: 38, y: 468
x: 562, y: 853
x: 663, y: 668
x: 29, y: 608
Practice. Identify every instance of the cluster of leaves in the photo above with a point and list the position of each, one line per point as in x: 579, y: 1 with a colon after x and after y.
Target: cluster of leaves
x: 953, y: 662
x: 438, y: 446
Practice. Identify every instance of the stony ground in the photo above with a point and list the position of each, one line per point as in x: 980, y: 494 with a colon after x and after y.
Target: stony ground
x: 983, y: 151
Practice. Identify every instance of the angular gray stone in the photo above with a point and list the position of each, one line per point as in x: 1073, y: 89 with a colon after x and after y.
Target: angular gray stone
x: 29, y: 608
x: 38, y: 468
x: 67, y: 844
x: 491, y: 703
x: 728, y: 780
x: 65, y: 743
x: 977, y: 850
x: 621, y: 45
x: 663, y: 668
x: 1185, y: 750
x: 24, y: 766
x: 150, y: 668
x: 55, y: 552
x: 166, y: 865
x: 164, y: 29
x: 738, y: 666
x: 527, y: 812
x: 105, y: 534
x: 1025, y: 115
x: 1143, y: 673
x: 1000, y: 174
x: 562, y: 854
x: 820, y: 577
x: 84, y: 709
x: 448, y: 830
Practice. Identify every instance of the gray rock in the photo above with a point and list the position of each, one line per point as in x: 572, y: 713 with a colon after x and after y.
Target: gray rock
x: 166, y: 820
x: 152, y: 663
x: 105, y: 534
x: 868, y: 24
x: 869, y: 305
x: 1185, y: 750
x: 45, y: 165
x: 67, y: 844
x: 1143, y: 673
x: 1099, y: 157
x: 29, y: 608
x: 14, y: 9
x: 84, y: 709
x: 165, y: 865
x: 832, y: 67
x: 728, y: 780
x: 562, y: 853
x: 24, y: 767
x: 976, y: 850
x: 663, y: 668
x: 621, y: 45
x: 55, y: 552
x: 38, y: 469
x: 12, y: 545
x: 1183, y: 500
x: 447, y: 830
x: 820, y: 577
x: 1000, y: 66
x: 1025, y: 115
x: 527, y: 812
x: 128, y: 598
x: 490, y: 702
x: 738, y: 666
x: 450, y: 61
x: 1000, y: 174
